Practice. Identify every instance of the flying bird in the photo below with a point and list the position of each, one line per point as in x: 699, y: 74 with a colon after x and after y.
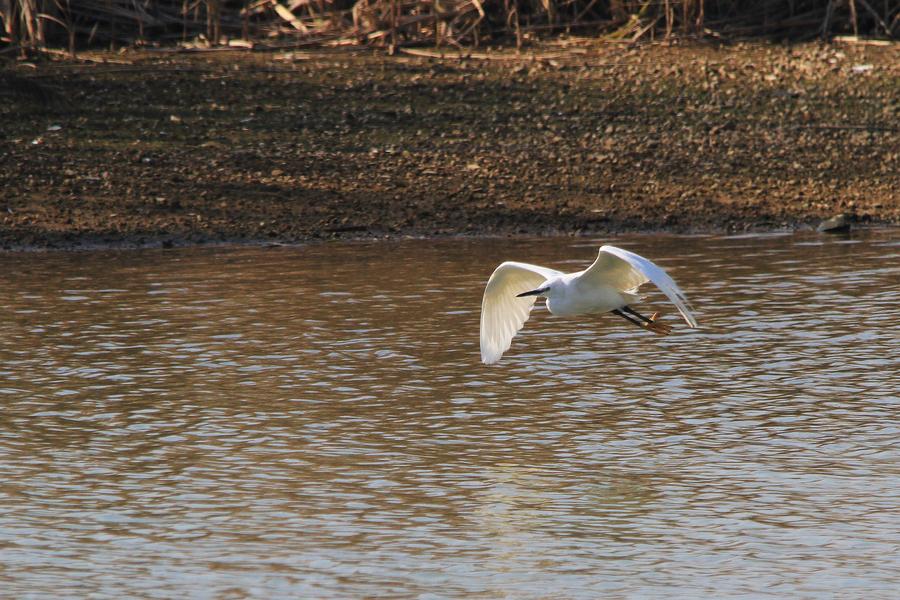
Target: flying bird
x: 608, y: 285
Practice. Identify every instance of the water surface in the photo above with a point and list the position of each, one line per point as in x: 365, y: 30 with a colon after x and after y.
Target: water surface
x: 315, y: 422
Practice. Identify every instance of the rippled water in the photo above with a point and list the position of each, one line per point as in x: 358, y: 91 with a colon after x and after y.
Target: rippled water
x: 315, y: 422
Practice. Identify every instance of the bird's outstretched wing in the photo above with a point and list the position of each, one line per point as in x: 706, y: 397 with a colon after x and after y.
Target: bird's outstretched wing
x: 627, y: 271
x: 502, y: 314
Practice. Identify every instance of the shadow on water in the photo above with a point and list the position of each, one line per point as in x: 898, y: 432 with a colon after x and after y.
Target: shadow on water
x: 316, y: 421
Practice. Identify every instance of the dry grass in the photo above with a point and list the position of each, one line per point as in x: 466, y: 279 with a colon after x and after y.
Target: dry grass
x: 30, y: 25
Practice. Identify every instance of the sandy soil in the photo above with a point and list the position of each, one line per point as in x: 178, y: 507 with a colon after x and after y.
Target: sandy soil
x: 165, y: 148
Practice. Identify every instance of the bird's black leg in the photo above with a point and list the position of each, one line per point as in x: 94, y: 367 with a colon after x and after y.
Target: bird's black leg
x: 648, y: 323
x: 631, y: 311
x: 626, y: 317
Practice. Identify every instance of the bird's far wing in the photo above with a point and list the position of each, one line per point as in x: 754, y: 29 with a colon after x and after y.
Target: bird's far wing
x: 502, y: 314
x: 612, y: 269
x: 627, y: 270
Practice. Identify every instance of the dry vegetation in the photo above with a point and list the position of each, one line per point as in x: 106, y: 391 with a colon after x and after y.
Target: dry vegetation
x: 33, y: 24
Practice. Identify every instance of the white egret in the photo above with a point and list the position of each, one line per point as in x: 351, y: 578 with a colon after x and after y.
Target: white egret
x: 608, y: 285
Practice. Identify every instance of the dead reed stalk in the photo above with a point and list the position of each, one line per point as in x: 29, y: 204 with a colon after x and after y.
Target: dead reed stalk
x: 34, y: 24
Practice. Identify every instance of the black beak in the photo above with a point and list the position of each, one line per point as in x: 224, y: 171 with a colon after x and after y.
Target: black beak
x: 531, y: 293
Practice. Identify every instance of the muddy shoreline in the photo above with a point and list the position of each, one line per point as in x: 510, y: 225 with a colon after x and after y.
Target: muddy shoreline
x: 580, y: 138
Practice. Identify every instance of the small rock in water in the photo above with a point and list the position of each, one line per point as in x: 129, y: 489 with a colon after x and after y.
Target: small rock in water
x: 836, y: 224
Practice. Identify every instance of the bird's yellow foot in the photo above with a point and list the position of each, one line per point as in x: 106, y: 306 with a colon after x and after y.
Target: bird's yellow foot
x: 657, y: 327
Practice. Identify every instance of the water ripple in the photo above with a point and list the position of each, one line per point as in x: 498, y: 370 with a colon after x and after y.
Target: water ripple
x: 315, y: 422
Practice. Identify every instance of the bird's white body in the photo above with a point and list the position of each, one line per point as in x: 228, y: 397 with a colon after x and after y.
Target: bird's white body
x: 609, y: 284
x: 570, y: 295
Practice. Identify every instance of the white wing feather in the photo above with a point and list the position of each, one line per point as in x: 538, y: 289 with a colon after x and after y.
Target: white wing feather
x: 627, y: 271
x: 502, y: 314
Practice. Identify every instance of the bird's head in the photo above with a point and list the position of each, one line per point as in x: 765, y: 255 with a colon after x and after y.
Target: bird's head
x: 545, y: 290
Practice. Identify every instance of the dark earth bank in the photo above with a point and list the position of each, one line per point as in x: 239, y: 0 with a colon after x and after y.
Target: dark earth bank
x: 148, y: 148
